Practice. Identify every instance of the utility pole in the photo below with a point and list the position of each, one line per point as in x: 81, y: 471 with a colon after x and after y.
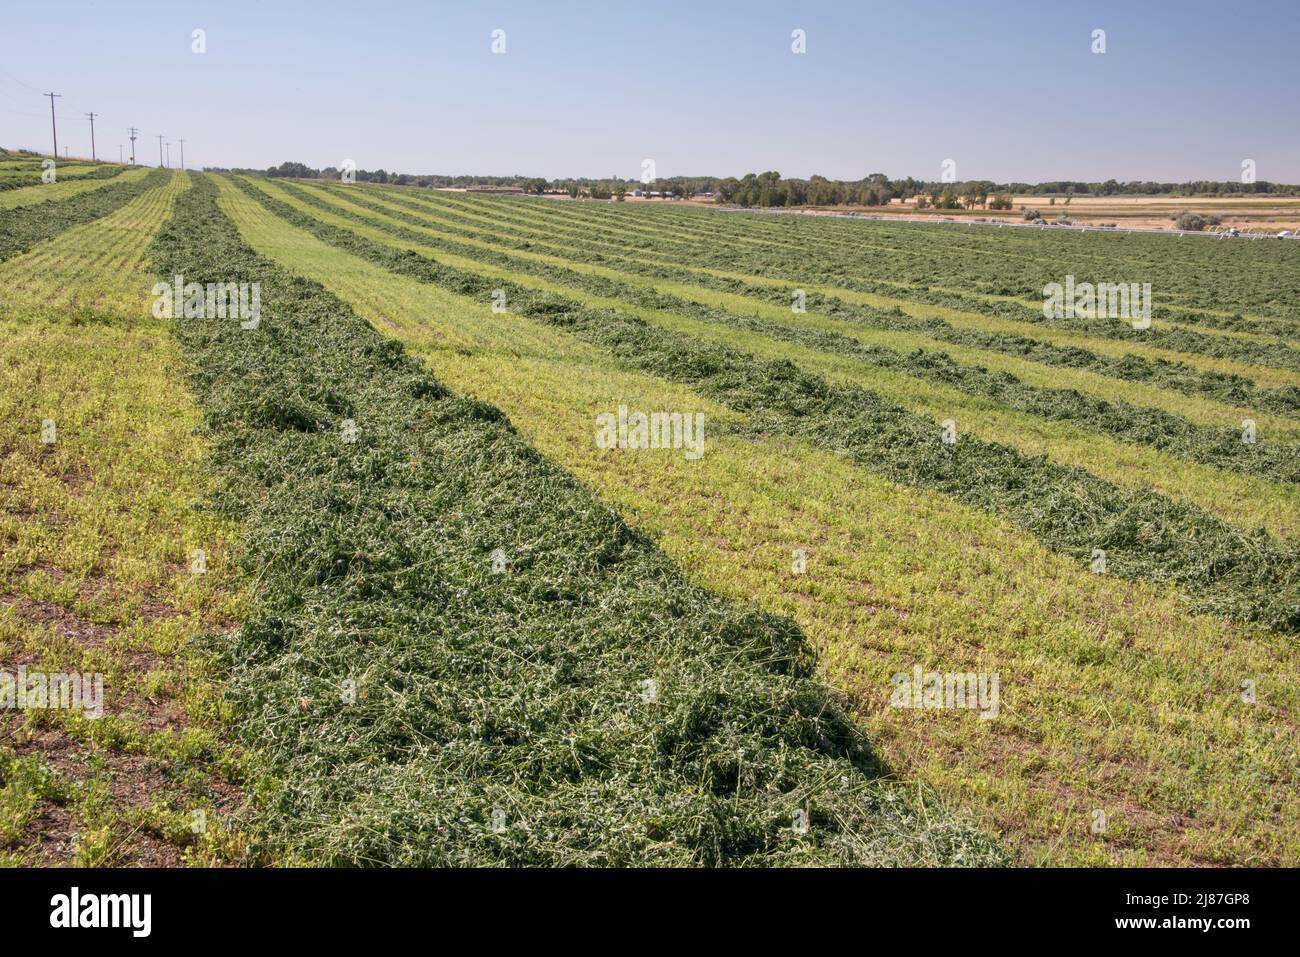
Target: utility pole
x: 131, y: 133
x: 169, y: 154
x: 53, y: 127
x: 160, y: 160
x: 182, y: 154
x: 92, y: 135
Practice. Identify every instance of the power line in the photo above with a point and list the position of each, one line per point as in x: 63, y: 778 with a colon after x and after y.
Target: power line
x: 92, y: 135
x: 21, y: 83
x: 53, y: 127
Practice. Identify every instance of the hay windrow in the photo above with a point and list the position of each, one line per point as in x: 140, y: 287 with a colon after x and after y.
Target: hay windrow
x: 24, y: 227
x: 1220, y: 447
x: 1163, y: 373
x: 498, y: 718
x: 1221, y: 569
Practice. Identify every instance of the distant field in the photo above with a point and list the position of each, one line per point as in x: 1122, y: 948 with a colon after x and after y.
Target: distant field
x: 1144, y: 212
x: 905, y: 465
x: 1274, y: 213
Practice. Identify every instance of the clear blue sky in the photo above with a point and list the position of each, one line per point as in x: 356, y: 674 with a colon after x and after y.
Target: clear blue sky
x: 1010, y: 90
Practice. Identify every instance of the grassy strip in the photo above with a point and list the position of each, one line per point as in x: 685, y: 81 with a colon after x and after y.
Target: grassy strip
x: 21, y: 229
x: 497, y: 718
x: 1219, y: 447
x: 1146, y: 536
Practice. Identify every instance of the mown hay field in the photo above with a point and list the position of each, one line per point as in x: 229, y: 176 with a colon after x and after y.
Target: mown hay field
x: 451, y: 624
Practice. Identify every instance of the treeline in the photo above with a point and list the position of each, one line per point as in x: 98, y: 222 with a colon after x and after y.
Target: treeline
x: 770, y: 189
x: 1197, y: 187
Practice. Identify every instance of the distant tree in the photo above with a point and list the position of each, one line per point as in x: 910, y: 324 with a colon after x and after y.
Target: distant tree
x: 1194, y: 222
x: 1031, y: 215
x: 295, y: 170
x: 975, y: 193
x: 947, y: 199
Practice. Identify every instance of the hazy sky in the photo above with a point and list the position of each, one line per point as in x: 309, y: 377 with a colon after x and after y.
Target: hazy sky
x: 1010, y: 90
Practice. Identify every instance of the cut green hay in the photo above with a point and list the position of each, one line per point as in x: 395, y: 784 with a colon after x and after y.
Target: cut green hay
x: 1145, y: 536
x: 92, y: 272
x: 583, y: 704
x: 65, y: 189
x: 1220, y: 447
x: 1179, y: 376
x: 22, y: 228
x: 895, y: 575
x: 975, y: 267
x: 979, y: 264
x: 31, y: 175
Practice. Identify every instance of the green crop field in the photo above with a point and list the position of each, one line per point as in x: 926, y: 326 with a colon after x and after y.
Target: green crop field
x: 436, y: 618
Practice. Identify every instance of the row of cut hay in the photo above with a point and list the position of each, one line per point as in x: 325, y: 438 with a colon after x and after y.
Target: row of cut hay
x: 417, y: 703
x: 1247, y: 575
